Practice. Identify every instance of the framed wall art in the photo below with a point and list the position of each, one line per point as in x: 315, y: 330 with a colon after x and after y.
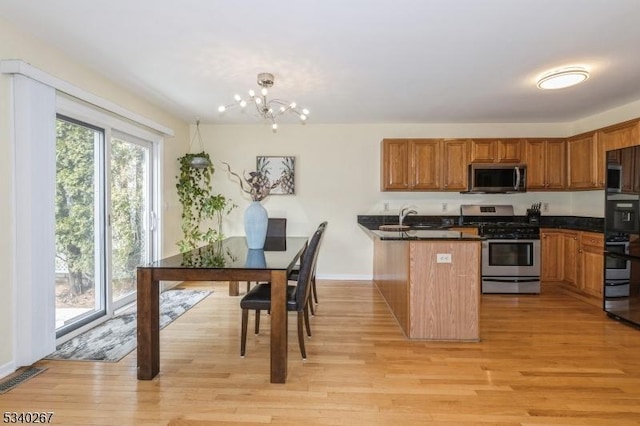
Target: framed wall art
x: 278, y: 169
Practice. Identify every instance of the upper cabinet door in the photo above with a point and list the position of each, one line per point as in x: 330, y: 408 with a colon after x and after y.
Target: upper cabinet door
x: 556, y: 163
x: 426, y: 167
x: 582, y: 166
x: 546, y: 163
x: 455, y: 156
x: 483, y: 150
x: 535, y: 156
x: 496, y: 150
x: 509, y: 150
x: 395, y: 164
x: 620, y: 136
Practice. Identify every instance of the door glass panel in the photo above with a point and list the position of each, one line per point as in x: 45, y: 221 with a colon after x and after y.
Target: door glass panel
x: 79, y: 292
x: 511, y: 254
x: 130, y: 239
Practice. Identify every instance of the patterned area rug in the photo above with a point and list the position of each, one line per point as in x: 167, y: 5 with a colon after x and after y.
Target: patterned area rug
x: 115, y: 338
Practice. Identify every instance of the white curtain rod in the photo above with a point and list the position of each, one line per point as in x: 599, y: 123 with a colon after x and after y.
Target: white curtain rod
x: 17, y: 66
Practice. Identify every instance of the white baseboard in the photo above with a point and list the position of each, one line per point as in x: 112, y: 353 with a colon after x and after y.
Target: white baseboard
x: 8, y: 368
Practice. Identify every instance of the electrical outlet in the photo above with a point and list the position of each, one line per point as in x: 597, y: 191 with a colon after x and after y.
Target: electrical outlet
x: 545, y: 207
x: 385, y: 206
x: 443, y: 258
x: 445, y: 207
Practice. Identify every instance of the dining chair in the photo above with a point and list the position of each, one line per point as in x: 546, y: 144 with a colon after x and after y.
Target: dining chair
x: 293, y: 276
x: 276, y: 236
x: 259, y: 297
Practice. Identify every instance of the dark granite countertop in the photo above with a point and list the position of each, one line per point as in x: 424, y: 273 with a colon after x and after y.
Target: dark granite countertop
x: 576, y: 223
x: 421, y: 235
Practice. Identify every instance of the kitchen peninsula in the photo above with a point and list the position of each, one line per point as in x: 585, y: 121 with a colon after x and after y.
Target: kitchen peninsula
x: 431, y: 281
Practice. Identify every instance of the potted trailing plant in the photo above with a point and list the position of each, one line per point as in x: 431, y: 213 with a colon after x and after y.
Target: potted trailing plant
x: 201, y: 208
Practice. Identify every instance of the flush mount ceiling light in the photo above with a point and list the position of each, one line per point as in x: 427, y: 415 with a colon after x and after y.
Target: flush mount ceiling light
x: 268, y: 109
x: 564, y: 77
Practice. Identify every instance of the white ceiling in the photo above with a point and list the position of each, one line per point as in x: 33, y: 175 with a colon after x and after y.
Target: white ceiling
x: 354, y: 61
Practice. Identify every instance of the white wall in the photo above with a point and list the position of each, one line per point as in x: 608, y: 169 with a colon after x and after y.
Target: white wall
x: 338, y: 177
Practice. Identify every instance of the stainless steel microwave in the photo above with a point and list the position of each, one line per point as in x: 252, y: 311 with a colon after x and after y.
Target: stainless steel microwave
x: 497, y: 178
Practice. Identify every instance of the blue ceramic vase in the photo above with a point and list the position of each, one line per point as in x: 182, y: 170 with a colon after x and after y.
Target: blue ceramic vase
x: 255, y: 259
x: 255, y: 225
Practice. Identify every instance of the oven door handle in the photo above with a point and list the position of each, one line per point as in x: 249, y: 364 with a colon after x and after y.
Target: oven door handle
x: 511, y: 280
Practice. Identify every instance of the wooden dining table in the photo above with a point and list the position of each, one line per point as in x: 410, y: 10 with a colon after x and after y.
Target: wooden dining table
x: 227, y: 260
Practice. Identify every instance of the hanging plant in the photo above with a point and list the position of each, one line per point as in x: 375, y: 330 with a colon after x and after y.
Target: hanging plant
x: 202, y: 210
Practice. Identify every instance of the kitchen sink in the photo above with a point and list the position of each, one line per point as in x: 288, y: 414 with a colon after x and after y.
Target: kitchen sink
x: 422, y: 226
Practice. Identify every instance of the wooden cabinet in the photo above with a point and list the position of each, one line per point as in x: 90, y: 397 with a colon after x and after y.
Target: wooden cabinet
x: 550, y: 249
x: 570, y: 251
x: 582, y: 162
x: 470, y: 230
x: 424, y: 165
x: 591, y: 257
x: 395, y: 164
x: 575, y: 259
x: 546, y: 163
x: 431, y: 300
x: 455, y: 157
x: 496, y: 150
x: 410, y: 164
x: 628, y: 164
x: 620, y: 135
x: 553, y: 164
x: 425, y: 169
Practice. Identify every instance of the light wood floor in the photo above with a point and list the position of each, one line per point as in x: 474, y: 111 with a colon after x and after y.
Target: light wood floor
x: 543, y: 360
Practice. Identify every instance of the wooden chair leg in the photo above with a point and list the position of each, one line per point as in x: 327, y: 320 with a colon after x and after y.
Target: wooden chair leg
x: 301, y: 336
x: 311, y: 308
x: 306, y: 317
x: 257, y: 330
x: 243, y: 338
x: 313, y: 289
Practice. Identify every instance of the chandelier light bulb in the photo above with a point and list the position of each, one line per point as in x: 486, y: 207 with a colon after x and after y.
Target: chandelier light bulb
x: 268, y: 109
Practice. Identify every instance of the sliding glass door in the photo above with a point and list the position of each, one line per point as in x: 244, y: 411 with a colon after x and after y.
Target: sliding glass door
x: 79, y: 208
x: 131, y: 217
x: 104, y: 220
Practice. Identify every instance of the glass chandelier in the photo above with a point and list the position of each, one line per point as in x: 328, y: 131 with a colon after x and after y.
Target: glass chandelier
x: 268, y: 109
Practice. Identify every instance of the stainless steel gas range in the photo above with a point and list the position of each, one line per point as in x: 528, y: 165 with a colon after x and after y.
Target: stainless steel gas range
x: 511, y: 250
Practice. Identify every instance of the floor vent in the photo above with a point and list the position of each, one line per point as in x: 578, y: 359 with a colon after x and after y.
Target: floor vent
x: 20, y: 376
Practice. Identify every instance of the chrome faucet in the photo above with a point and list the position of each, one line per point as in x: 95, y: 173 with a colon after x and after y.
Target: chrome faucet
x: 404, y: 212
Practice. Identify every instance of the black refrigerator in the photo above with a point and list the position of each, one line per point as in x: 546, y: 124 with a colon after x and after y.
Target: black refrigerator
x: 622, y: 237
